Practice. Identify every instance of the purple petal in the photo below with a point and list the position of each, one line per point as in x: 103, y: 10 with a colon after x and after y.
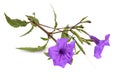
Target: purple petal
x: 107, y: 40
x: 71, y: 46
x: 61, y: 43
x: 97, y: 51
x: 60, y: 61
x: 53, y: 52
x: 69, y: 57
x: 107, y: 37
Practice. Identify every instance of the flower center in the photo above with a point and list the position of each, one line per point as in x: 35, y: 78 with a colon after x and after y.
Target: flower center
x: 62, y: 51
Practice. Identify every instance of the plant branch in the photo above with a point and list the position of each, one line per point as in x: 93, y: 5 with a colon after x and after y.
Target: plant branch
x: 61, y: 27
x: 39, y: 25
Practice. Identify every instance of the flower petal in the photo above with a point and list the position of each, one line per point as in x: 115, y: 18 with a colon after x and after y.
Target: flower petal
x: 69, y: 56
x: 97, y: 51
x: 107, y: 36
x: 71, y: 46
x: 61, y: 43
x: 107, y: 40
x: 53, y: 52
x: 60, y: 61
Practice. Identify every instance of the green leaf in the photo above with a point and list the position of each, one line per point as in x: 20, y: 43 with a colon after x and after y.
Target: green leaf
x: 83, y: 18
x: 49, y: 58
x: 28, y: 31
x: 79, y: 38
x: 69, y: 38
x: 46, y: 54
x: 84, y: 32
x: 80, y: 47
x: 77, y: 27
x: 15, y: 22
x: 77, y: 52
x: 87, y: 42
x: 55, y: 19
x: 65, y: 32
x: 33, y: 19
x: 45, y: 39
x: 34, y: 14
x: 87, y: 21
x: 33, y: 49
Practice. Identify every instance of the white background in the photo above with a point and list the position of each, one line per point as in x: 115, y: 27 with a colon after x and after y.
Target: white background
x: 16, y: 64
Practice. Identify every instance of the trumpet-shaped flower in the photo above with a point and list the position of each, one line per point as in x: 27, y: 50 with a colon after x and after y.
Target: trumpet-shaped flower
x: 100, y: 45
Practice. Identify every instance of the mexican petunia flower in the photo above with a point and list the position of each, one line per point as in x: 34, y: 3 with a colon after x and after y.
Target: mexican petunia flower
x: 62, y: 52
x: 100, y: 45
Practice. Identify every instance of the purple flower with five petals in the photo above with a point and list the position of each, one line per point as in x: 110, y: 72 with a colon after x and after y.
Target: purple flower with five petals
x: 62, y: 52
x: 100, y: 45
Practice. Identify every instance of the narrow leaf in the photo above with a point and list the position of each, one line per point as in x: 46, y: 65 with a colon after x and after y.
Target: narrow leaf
x: 69, y: 38
x: 33, y: 49
x: 77, y: 52
x: 15, y: 22
x: 65, y: 32
x: 32, y: 19
x: 55, y: 18
x: 81, y: 26
x: 28, y: 31
x: 49, y: 58
x: 45, y: 39
x: 84, y: 32
x: 34, y: 14
x: 79, y: 38
x: 80, y: 47
x: 87, y: 21
x: 83, y: 18
x: 87, y: 41
x: 46, y: 54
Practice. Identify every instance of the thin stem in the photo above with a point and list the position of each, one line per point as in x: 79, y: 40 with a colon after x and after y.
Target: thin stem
x: 61, y: 27
x: 57, y: 32
x: 71, y: 27
x: 46, y: 26
x: 60, y: 31
x: 51, y: 27
x: 49, y: 34
x: 77, y: 24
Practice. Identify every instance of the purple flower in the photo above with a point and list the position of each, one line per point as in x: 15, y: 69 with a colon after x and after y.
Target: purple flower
x: 62, y: 52
x: 100, y: 45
